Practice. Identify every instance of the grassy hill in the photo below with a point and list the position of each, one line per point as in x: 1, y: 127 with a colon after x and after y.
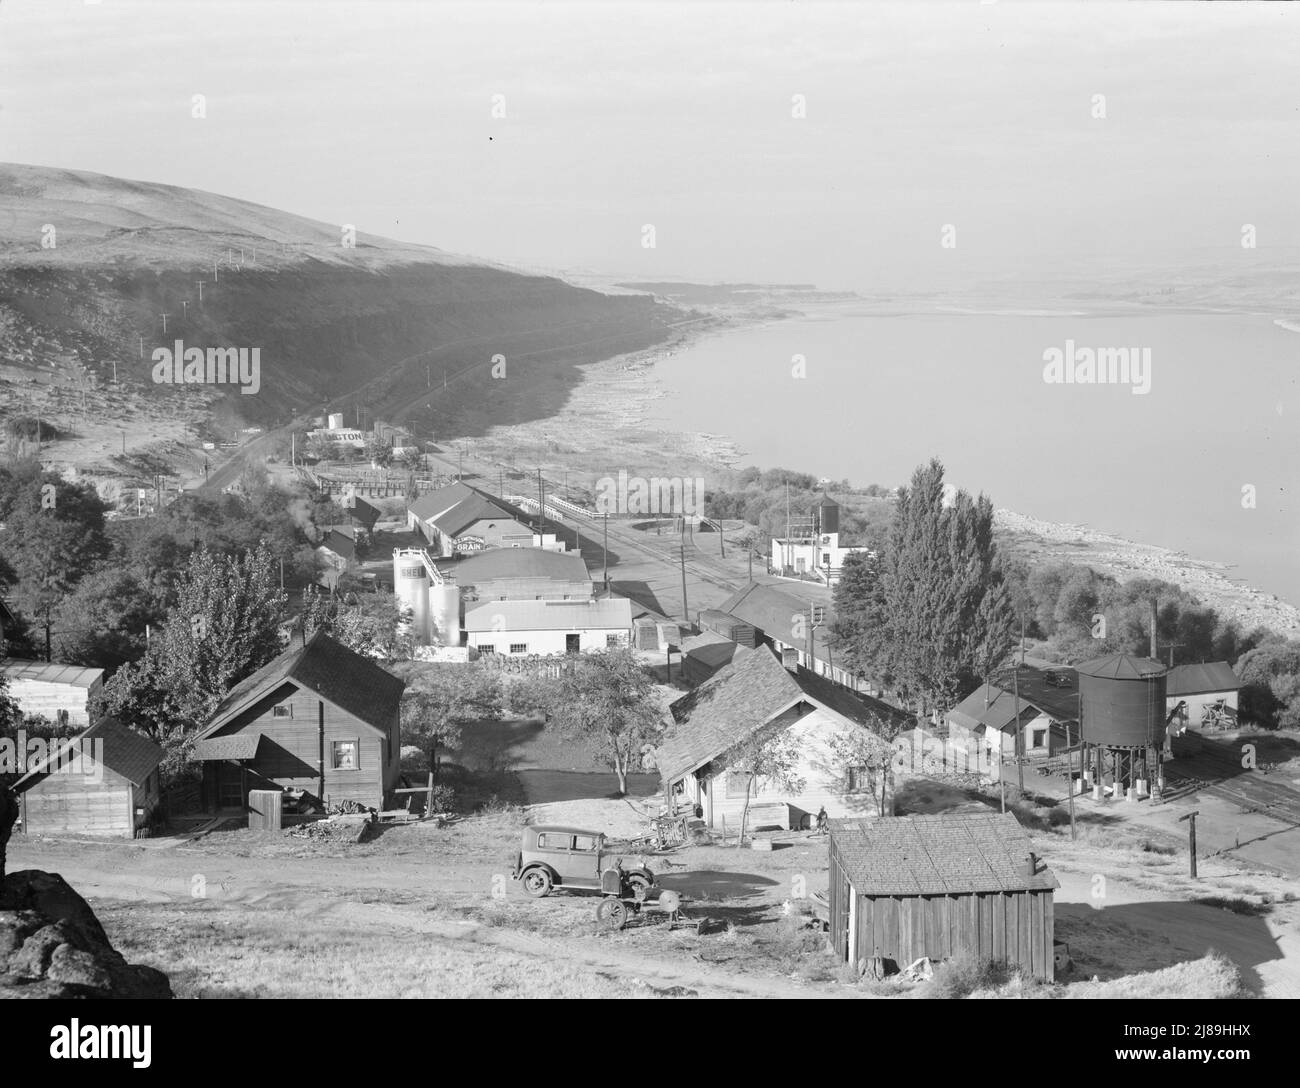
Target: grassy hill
x: 384, y: 315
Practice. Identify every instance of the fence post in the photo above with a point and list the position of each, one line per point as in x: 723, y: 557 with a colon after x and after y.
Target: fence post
x: 428, y: 799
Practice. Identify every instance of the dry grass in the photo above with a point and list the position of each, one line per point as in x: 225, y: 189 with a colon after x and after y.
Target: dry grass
x: 1211, y: 977
x: 214, y: 951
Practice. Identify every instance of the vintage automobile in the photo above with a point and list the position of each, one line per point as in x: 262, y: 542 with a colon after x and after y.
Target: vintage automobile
x: 569, y: 857
x: 1059, y: 679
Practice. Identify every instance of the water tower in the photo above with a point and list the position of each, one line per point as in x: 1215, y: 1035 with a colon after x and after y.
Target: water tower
x: 1122, y: 719
x: 827, y: 516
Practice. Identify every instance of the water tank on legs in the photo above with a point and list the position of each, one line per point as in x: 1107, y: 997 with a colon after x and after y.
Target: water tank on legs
x: 1122, y: 701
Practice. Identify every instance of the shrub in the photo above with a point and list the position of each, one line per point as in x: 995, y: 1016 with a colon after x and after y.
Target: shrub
x: 963, y: 975
x: 444, y: 798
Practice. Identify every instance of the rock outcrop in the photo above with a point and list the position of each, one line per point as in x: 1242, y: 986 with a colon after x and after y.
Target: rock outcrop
x: 52, y: 946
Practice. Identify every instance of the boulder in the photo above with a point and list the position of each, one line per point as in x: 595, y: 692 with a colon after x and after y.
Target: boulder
x: 52, y: 945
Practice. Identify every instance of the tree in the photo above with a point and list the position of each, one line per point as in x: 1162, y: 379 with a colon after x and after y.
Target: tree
x: 934, y: 615
x: 364, y: 622
x: 870, y: 748
x: 605, y: 702
x: 320, y: 447
x: 224, y: 625
x: 1269, y: 692
x: 378, y: 452
x: 102, y: 622
x: 774, y: 759
x: 440, y: 701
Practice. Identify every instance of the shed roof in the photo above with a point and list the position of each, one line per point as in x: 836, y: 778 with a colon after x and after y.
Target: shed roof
x: 340, y: 544
x: 947, y: 854
x: 1213, y: 676
x: 131, y: 754
x: 774, y: 611
x: 997, y: 713
x: 520, y: 563
x: 237, y: 746
x: 347, y: 679
x: 51, y: 672
x: 1121, y: 667
x: 737, y: 702
x: 611, y: 613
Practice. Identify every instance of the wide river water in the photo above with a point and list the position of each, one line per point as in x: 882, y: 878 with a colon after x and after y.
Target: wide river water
x: 883, y: 394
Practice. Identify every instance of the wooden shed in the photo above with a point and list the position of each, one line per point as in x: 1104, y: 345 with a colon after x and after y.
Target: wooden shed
x: 904, y: 887
x: 102, y: 782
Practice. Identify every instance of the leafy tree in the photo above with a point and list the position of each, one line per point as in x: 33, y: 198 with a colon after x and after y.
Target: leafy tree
x: 772, y: 759
x: 605, y: 702
x: 441, y: 701
x: 223, y: 626
x: 319, y: 447
x: 102, y: 621
x: 364, y: 622
x: 869, y: 748
x: 1268, y: 675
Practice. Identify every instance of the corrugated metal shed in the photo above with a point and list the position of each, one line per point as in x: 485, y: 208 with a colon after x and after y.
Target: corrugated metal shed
x: 51, y: 673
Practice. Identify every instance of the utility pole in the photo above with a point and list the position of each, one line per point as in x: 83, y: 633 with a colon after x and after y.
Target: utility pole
x: 722, y: 548
x: 141, y: 347
x: 1191, y: 837
x: 1020, y: 735
x: 164, y: 319
x: 606, y: 552
x: 114, y: 371
x: 1069, y: 747
x: 686, y: 612
x: 201, y: 283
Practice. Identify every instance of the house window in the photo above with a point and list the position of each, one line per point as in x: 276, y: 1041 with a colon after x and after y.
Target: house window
x: 858, y: 778
x: 487, y: 648
x: 519, y: 647
x: 738, y: 783
x: 284, y: 710
x: 346, y: 755
x: 612, y: 641
x: 1039, y: 738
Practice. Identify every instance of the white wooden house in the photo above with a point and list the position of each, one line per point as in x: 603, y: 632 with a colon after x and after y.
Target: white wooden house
x: 759, y: 695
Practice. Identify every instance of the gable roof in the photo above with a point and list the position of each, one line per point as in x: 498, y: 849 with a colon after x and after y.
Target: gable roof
x: 737, y: 702
x: 131, y: 754
x: 772, y: 610
x: 1213, y: 676
x: 999, y: 712
x: 460, y: 517
x: 51, y: 672
x: 340, y: 544
x: 363, y: 512
x: 712, y: 649
x: 609, y: 613
x: 440, y: 500
x: 495, y: 563
x: 947, y: 854
x: 350, y: 681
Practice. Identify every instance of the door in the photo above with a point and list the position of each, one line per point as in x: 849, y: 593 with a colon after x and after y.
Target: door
x: 572, y: 644
x: 853, y: 925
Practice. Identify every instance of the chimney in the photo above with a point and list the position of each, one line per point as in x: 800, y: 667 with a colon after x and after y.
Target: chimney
x: 790, y: 658
x: 1031, y: 864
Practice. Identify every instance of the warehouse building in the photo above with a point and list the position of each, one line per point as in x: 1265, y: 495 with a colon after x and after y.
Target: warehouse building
x: 459, y: 519
x: 523, y: 628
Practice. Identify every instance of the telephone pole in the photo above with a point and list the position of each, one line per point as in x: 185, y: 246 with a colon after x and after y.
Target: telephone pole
x: 1191, y: 838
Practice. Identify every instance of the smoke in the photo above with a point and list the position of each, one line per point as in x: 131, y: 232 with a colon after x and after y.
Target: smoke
x: 300, y: 510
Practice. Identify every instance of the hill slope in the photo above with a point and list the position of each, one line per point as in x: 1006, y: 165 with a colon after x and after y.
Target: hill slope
x: 328, y: 319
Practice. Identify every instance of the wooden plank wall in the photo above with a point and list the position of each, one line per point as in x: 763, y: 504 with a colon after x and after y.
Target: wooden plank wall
x: 1014, y: 927
x: 72, y: 803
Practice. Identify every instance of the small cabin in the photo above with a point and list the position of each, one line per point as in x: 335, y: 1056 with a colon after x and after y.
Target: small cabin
x: 101, y: 782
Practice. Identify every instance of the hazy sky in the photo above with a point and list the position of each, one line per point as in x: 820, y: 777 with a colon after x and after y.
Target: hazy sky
x: 680, y: 115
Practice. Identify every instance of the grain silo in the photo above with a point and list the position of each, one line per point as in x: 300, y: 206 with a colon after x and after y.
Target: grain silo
x: 1122, y: 721
x: 444, y: 614
x: 411, y: 588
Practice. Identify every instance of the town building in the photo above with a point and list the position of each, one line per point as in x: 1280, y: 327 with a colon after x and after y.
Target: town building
x: 103, y: 781
x: 337, y: 550
x: 759, y: 695
x: 788, y: 619
x: 907, y: 887
x: 812, y: 548
x: 1202, y: 692
x: 318, y: 718
x: 524, y: 628
x: 459, y: 519
x: 520, y: 574
x: 59, y: 693
x: 708, y: 653
x: 984, y: 725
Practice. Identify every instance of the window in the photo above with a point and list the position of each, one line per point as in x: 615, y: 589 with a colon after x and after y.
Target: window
x: 1039, y: 738
x: 487, y: 648
x: 519, y: 647
x: 612, y: 641
x: 584, y: 842
x: 346, y: 755
x: 552, y: 841
x: 858, y: 778
x: 284, y: 710
x: 737, y: 781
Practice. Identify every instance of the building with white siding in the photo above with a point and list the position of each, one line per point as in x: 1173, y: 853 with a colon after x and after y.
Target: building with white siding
x: 524, y: 628
x: 759, y: 695
x: 57, y: 692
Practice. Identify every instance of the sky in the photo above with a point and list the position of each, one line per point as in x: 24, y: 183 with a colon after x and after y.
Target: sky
x: 681, y: 116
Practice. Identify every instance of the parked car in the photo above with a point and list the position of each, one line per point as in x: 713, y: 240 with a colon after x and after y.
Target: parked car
x: 569, y: 857
x: 1059, y: 679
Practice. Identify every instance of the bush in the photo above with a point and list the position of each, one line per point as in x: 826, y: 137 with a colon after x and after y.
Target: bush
x: 963, y: 975
x: 444, y: 798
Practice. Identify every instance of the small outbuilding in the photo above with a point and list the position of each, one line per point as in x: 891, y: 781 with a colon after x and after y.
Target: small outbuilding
x: 102, y: 782
x: 55, y: 691
x: 1203, y: 691
x: 904, y: 887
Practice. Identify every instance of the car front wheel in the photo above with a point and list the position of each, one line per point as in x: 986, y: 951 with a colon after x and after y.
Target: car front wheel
x: 537, y: 883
